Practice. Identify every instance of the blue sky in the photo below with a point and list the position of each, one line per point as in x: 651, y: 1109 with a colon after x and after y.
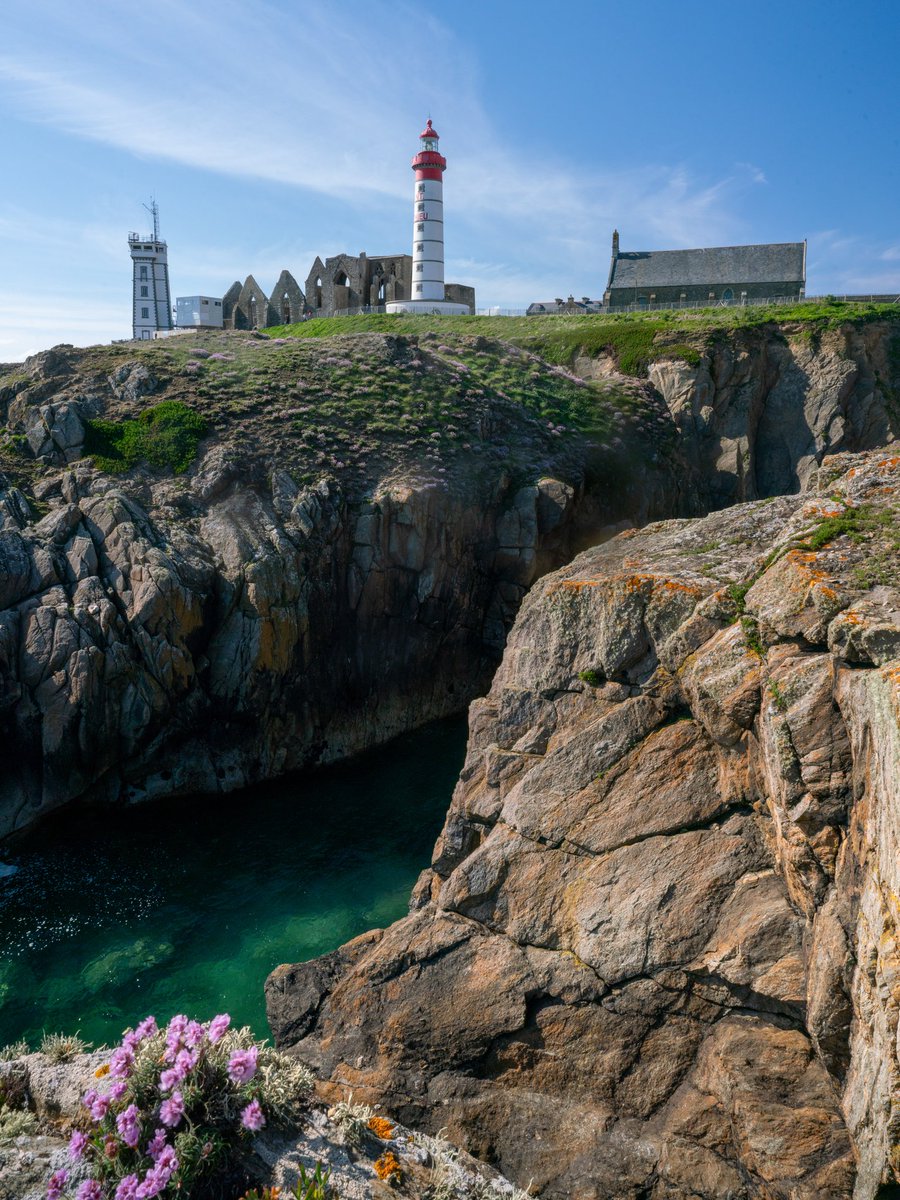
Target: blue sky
x: 273, y: 130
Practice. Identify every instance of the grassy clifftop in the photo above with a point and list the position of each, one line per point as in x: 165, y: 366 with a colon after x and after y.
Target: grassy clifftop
x: 363, y: 396
x: 357, y: 404
x: 634, y: 339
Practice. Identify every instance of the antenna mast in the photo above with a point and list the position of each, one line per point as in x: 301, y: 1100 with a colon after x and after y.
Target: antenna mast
x: 153, y: 209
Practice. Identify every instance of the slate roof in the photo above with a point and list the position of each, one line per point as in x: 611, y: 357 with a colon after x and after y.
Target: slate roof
x: 716, y: 265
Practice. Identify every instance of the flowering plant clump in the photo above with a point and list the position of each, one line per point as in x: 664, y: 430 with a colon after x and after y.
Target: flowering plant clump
x: 177, y: 1110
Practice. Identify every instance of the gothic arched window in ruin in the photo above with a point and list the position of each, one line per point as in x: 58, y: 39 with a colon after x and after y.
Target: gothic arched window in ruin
x: 286, y: 309
x: 318, y: 293
x: 728, y: 294
x: 252, y: 314
x: 341, y: 279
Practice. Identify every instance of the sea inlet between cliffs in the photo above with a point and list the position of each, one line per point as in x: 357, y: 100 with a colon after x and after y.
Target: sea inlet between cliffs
x: 185, y: 905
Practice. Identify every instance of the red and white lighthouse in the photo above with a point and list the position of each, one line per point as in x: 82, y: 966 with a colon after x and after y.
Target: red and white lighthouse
x: 427, y: 290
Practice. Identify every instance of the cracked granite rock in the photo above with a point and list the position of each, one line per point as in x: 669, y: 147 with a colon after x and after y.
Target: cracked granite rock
x: 656, y: 952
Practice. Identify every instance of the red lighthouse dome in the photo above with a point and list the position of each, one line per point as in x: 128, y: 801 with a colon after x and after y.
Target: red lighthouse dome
x: 429, y: 163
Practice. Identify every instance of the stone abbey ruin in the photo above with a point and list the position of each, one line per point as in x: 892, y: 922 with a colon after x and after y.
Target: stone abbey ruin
x: 343, y: 283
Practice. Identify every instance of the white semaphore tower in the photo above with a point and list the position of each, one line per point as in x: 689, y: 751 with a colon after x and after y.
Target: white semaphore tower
x: 151, y: 300
x: 428, y: 293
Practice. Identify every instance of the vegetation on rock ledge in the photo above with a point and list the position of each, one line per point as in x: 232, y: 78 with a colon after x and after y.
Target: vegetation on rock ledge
x: 166, y: 435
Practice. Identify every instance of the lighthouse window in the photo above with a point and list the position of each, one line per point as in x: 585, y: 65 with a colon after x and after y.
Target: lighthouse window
x: 418, y: 266
x: 418, y: 287
x: 143, y: 272
x: 144, y: 291
x: 145, y: 313
x: 420, y: 245
x: 420, y: 228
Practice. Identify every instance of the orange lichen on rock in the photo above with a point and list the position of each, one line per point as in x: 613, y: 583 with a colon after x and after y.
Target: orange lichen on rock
x: 818, y: 509
x: 381, y: 1127
x: 575, y: 585
x: 387, y: 1166
x: 644, y: 583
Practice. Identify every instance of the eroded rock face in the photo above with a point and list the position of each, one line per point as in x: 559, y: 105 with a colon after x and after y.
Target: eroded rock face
x: 141, y: 654
x: 655, y: 953
x: 761, y: 409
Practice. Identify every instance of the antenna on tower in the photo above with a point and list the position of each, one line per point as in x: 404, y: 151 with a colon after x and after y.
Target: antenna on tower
x: 153, y: 209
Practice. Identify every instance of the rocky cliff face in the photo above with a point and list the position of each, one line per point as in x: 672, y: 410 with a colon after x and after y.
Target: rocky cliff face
x: 175, y: 634
x: 762, y: 406
x: 343, y: 557
x: 656, y: 952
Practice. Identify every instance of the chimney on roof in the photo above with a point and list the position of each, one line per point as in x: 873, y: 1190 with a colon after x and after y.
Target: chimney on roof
x: 615, y: 243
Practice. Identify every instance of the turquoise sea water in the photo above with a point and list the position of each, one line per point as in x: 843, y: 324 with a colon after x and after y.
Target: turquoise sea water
x: 186, y: 905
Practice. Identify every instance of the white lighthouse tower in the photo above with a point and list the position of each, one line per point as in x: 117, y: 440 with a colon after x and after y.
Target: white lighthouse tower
x: 151, y: 301
x: 427, y: 286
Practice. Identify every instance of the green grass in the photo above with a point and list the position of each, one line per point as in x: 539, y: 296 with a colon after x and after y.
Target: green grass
x: 165, y: 436
x: 854, y: 523
x: 591, y: 677
x: 737, y: 592
x: 634, y: 339
x: 752, y: 640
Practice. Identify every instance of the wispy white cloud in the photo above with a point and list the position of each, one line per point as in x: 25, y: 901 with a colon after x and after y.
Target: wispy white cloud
x: 326, y: 100
x: 754, y: 173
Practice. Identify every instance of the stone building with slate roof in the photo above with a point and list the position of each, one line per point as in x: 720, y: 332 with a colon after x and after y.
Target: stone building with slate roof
x: 715, y: 275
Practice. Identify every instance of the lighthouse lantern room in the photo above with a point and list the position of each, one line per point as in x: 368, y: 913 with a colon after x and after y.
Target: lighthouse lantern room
x: 427, y: 287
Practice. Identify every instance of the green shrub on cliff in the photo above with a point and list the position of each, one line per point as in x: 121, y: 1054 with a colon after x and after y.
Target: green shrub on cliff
x: 166, y: 435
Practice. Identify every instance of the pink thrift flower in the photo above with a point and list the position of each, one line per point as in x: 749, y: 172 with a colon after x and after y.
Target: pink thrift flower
x: 146, y: 1029
x: 172, y: 1110
x: 77, y: 1143
x: 167, y: 1163
x: 186, y: 1061
x: 99, y: 1107
x: 217, y: 1027
x: 121, y: 1062
x: 151, y: 1186
x: 169, y: 1078
x: 252, y: 1117
x: 90, y: 1190
x: 175, y: 1036
x: 157, y: 1144
x: 128, y: 1188
x: 118, y: 1090
x: 242, y: 1065
x: 128, y: 1125
x: 194, y: 1035
x: 57, y: 1184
